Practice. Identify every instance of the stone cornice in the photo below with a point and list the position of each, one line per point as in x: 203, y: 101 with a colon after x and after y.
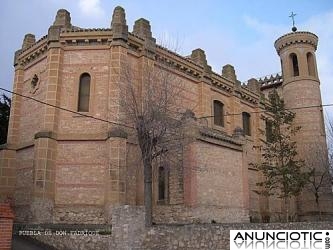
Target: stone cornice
x: 247, y: 95
x: 298, y: 37
x: 33, y: 52
x: 213, y: 138
x: 77, y: 29
x: 218, y: 77
x: 248, y: 98
x: 168, y: 52
x: 178, y: 65
x: 7, y: 146
x: 39, y: 43
x: 218, y: 135
x: 76, y: 37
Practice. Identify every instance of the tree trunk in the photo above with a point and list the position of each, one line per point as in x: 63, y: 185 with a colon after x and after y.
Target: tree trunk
x: 148, y: 193
x: 286, y: 207
x: 318, y: 206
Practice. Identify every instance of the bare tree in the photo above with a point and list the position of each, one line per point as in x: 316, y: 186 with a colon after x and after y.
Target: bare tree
x: 151, y: 100
x: 329, y: 134
x: 318, y: 162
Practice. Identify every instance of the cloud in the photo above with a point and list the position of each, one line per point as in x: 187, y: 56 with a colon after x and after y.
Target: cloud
x: 318, y: 25
x: 254, y: 55
x: 266, y: 29
x: 91, y: 8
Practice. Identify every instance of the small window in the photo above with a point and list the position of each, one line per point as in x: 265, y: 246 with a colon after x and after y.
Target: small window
x: 294, y: 61
x: 84, y: 93
x: 311, y: 64
x: 218, y: 113
x: 246, y: 123
x: 162, y: 182
x: 269, y: 131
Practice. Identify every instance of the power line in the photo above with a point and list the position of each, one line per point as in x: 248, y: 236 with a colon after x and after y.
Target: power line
x: 263, y: 111
x: 124, y: 125
x: 68, y: 110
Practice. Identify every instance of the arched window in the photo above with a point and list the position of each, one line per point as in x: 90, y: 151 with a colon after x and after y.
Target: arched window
x: 294, y: 63
x: 311, y: 64
x: 246, y: 123
x: 162, y: 183
x: 218, y: 113
x: 84, y: 93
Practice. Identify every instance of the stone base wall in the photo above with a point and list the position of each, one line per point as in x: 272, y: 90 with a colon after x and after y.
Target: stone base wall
x: 128, y: 227
x: 126, y: 232
x: 42, y: 210
x: 23, y: 213
x: 129, y: 232
x: 40, y: 213
x: 75, y: 242
x: 79, y: 215
x: 208, y: 236
x: 180, y: 214
x: 193, y: 236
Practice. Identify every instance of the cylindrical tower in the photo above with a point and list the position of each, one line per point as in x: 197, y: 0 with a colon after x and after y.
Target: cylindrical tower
x: 300, y: 88
x: 301, y: 94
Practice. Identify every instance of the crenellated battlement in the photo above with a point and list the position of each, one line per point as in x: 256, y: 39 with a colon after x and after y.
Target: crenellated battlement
x: 270, y: 81
x: 194, y: 66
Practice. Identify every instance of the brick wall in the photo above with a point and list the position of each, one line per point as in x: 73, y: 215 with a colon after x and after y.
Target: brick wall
x: 75, y: 63
x: 221, y: 190
x: 6, y: 226
x: 80, y: 173
x: 31, y: 115
x: 24, y: 187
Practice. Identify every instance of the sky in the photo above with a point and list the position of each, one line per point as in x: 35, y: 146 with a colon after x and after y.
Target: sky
x: 238, y: 32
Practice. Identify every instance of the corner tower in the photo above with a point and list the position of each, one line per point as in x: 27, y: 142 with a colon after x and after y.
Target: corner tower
x: 301, y: 94
x: 300, y: 87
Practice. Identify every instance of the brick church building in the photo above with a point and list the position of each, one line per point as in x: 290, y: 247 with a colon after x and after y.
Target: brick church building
x: 67, y: 167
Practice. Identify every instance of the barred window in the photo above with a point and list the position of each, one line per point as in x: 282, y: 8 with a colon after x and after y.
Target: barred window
x: 246, y: 123
x: 218, y: 113
x: 84, y: 93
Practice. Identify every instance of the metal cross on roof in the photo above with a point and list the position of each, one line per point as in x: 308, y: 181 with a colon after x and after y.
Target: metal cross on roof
x: 292, y: 17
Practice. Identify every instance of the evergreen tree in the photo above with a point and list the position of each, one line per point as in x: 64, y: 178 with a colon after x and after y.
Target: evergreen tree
x: 5, y: 103
x: 283, y: 172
